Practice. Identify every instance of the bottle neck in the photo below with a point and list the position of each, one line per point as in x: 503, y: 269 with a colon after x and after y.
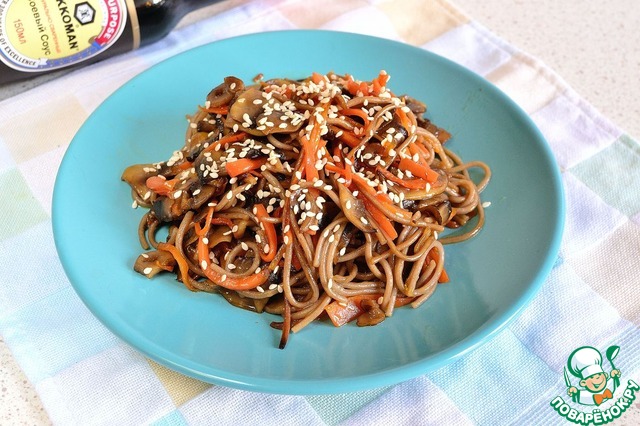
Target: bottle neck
x: 157, y: 17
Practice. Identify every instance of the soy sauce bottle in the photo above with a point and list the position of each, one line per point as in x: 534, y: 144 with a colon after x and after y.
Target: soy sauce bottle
x: 41, y: 36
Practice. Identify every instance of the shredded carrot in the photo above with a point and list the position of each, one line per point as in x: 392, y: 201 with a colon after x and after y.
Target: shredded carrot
x: 317, y: 78
x: 222, y: 221
x: 270, y: 230
x: 232, y: 283
x: 308, y: 163
x: 207, y: 224
x: 404, y: 119
x: 393, y: 208
x: 342, y: 314
x: 383, y: 78
x: 184, y: 165
x: 419, y: 170
x: 244, y: 165
x: 160, y: 185
x: 223, y: 110
x: 350, y: 139
x: 182, y: 263
x: 357, y: 112
x: 385, y: 225
x: 406, y: 183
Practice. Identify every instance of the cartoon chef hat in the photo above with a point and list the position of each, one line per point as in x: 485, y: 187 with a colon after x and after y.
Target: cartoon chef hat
x: 585, y: 361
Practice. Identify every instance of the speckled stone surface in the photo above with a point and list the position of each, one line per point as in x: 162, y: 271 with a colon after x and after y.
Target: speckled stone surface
x: 19, y: 403
x: 594, y: 46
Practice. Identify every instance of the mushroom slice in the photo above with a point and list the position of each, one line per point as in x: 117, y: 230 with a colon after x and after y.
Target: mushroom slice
x: 355, y: 210
x: 152, y: 263
x: 225, y: 92
x: 260, y: 117
x: 430, y: 191
x: 372, y: 314
x: 441, y: 211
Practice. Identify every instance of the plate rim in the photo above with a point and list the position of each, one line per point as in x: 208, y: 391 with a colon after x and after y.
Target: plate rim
x: 400, y: 373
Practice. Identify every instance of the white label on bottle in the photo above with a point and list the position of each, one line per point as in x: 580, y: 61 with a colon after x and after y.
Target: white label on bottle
x: 39, y: 35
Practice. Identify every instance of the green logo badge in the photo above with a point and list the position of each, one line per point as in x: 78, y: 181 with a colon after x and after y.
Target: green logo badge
x: 594, y: 387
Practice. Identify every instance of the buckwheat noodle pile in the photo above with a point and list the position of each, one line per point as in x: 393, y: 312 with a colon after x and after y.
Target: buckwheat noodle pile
x: 314, y: 198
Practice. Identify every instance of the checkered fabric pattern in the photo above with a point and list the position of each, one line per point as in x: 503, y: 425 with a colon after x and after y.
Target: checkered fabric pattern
x: 85, y: 375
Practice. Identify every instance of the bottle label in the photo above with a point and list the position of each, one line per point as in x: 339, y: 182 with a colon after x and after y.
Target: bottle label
x: 39, y: 35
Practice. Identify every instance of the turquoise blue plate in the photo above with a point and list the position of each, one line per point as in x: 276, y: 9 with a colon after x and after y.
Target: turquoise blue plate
x: 493, y: 276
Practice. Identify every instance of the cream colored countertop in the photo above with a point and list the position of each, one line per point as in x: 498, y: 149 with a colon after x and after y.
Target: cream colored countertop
x: 594, y: 46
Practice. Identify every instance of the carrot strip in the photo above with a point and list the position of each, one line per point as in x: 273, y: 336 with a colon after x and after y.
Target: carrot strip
x: 160, y: 185
x: 232, y: 283
x: 244, y: 165
x: 182, y: 263
x: 385, y: 225
x: 406, y: 183
x: 357, y: 112
x: 316, y: 77
x: 404, y: 119
x: 270, y: 230
x: 216, y: 110
x: 350, y: 139
x: 419, y: 170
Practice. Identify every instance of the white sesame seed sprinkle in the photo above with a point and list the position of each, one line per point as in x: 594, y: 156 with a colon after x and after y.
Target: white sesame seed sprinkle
x: 147, y: 270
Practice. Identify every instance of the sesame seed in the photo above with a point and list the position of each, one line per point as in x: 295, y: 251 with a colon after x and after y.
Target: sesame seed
x: 244, y: 246
x: 134, y: 204
x: 203, y: 264
x: 363, y: 220
x: 145, y: 255
x: 205, y: 240
x: 330, y: 283
x: 223, y: 278
x: 266, y: 248
x: 258, y: 239
x: 348, y: 204
x: 342, y: 251
x: 147, y: 270
x: 177, y: 194
x: 486, y: 204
